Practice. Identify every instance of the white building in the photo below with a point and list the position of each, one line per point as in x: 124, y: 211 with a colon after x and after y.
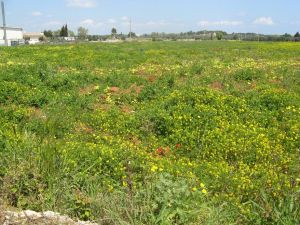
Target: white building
x: 33, y: 37
x: 14, y: 35
x: 69, y: 39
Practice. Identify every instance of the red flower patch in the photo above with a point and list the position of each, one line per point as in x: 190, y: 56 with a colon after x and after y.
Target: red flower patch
x: 162, y: 151
x: 178, y: 146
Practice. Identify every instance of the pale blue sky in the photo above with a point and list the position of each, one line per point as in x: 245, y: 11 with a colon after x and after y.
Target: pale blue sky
x: 99, y: 16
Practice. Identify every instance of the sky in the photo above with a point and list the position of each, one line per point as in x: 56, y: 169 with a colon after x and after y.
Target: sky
x: 99, y: 16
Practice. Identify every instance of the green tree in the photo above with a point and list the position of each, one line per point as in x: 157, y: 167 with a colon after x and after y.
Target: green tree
x: 297, y: 35
x: 235, y: 37
x: 48, y: 33
x: 64, y: 31
x: 42, y: 38
x: 219, y: 36
x: 114, y: 32
x: 82, y: 33
x: 132, y: 34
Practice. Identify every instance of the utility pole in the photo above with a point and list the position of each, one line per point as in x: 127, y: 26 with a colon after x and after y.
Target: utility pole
x: 4, y: 24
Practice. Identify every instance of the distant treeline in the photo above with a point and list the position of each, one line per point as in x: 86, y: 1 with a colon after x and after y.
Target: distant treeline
x: 221, y: 35
x: 82, y: 34
x: 202, y: 35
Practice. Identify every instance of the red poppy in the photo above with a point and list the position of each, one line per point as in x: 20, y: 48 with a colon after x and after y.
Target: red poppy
x: 160, y: 151
x: 178, y: 145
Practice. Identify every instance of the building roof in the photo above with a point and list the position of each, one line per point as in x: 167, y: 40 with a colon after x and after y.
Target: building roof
x: 33, y: 34
x: 12, y: 28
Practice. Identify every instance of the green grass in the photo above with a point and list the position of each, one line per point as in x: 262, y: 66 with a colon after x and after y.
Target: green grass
x: 153, y: 133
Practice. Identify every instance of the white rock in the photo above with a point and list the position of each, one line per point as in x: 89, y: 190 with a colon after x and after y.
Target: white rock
x: 46, y: 217
x: 30, y: 214
x: 50, y: 214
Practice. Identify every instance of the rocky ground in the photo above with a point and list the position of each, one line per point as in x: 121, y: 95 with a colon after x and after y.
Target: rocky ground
x: 29, y: 217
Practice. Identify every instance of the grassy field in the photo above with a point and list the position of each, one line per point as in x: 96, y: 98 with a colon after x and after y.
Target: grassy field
x: 153, y: 133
